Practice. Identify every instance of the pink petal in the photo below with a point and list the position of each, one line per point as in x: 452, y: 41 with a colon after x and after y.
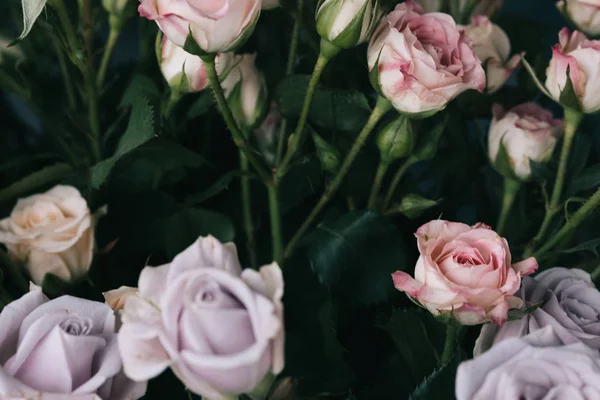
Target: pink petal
x: 526, y: 267
x: 499, y: 314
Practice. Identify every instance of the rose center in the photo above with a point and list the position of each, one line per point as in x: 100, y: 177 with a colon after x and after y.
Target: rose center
x: 76, y: 326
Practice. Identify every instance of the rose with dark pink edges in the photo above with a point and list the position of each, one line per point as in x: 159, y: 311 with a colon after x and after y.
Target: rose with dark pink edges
x: 465, y: 271
x: 422, y: 61
x: 582, y: 57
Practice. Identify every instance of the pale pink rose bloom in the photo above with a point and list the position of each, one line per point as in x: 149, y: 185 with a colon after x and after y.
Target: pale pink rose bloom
x: 61, y: 349
x: 490, y: 43
x: 220, y: 329
x: 422, y: 60
x: 52, y: 232
x: 582, y: 56
x: 180, y: 18
x: 585, y: 14
x: 466, y: 271
x: 528, y: 132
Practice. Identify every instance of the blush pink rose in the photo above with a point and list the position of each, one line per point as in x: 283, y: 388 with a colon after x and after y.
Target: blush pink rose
x: 422, y: 61
x: 582, y: 57
x: 61, y: 349
x: 220, y: 329
x: 466, y: 271
x: 216, y: 26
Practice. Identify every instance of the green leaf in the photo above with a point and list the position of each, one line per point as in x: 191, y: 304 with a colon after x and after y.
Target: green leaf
x: 568, y: 98
x: 520, y: 313
x: 187, y: 225
x: 588, y: 179
x: 201, y: 106
x: 540, y: 172
x: 139, y: 131
x: 356, y: 254
x: 591, y: 246
x: 168, y: 154
x: 31, y: 11
x: 412, y: 205
x: 221, y: 184
x: 440, y: 385
x: 140, y: 87
x: 35, y: 181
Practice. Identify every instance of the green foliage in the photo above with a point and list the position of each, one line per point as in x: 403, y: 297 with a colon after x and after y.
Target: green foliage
x: 413, y: 205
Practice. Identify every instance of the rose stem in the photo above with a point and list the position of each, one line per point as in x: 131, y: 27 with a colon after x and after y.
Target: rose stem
x: 577, y: 219
x: 328, y: 51
x: 572, y: 121
x: 116, y: 25
x: 247, y: 209
x: 382, y: 106
x: 396, y: 180
x: 511, y: 189
x: 450, y: 343
x: 276, y: 233
x: 291, y: 61
x: 379, y: 175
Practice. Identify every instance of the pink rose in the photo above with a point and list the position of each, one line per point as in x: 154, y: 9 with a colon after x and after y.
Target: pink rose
x: 585, y: 14
x: 527, y: 132
x: 61, y: 349
x: 422, y: 61
x: 216, y: 26
x: 491, y: 45
x: 465, y: 271
x: 219, y: 328
x: 582, y: 56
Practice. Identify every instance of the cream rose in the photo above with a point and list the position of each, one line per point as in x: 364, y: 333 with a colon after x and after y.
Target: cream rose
x: 585, y: 14
x: 51, y: 232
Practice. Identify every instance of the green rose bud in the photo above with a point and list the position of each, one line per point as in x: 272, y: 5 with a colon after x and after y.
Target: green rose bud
x: 396, y: 140
x: 328, y: 155
x: 347, y: 23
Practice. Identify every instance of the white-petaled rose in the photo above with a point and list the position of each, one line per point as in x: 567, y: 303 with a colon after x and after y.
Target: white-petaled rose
x: 52, y: 232
x: 420, y: 62
x: 215, y: 27
x: 492, y: 46
x: 585, y: 14
x: 219, y: 328
x: 465, y: 271
x: 582, y: 57
x: 456, y: 8
x: 246, y: 91
x: 116, y: 298
x: 347, y: 23
x: 61, y: 349
x: 527, y: 132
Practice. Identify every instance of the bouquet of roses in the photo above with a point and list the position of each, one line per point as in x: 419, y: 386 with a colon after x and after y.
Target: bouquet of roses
x: 333, y: 199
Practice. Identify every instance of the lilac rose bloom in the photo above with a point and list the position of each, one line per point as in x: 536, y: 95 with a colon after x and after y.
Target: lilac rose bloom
x: 220, y: 329
x: 537, y: 366
x: 571, y: 305
x: 61, y: 349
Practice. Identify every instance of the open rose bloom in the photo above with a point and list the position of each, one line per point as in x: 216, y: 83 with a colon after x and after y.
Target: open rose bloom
x: 466, y: 271
x: 422, y: 61
x: 219, y: 328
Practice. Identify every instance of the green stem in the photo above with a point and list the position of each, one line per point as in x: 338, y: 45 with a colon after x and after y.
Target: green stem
x: 247, y: 210
x: 576, y: 219
x: 595, y: 273
x: 236, y: 133
x: 572, y: 121
x: 396, y: 180
x: 275, y: 214
x: 328, y: 51
x: 450, y: 344
x: 174, y: 98
x: 383, y: 105
x: 62, y: 63
x: 381, y: 170
x: 113, y: 36
x: 69, y: 29
x: 511, y: 188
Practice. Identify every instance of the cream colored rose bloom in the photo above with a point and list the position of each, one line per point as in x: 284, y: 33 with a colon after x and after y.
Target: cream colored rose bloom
x: 51, y: 233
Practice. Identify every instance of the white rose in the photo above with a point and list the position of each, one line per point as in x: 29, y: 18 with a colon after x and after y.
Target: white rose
x: 51, y: 233
x: 585, y: 14
x: 347, y: 23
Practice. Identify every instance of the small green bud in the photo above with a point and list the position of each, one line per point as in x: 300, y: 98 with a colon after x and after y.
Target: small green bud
x: 395, y: 140
x: 328, y: 155
x: 428, y: 143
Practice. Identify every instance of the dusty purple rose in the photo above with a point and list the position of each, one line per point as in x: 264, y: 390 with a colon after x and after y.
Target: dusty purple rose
x: 536, y: 366
x: 571, y: 306
x: 61, y: 349
x: 219, y: 328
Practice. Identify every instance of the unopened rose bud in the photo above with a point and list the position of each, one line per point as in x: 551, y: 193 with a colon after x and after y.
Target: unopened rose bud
x: 328, y: 155
x: 267, y: 134
x: 396, y: 140
x: 585, y: 14
x: 526, y: 132
x: 347, y: 23
x: 246, y: 91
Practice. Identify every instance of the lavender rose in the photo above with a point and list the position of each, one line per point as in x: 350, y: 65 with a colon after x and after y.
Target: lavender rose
x: 536, y: 366
x: 219, y: 328
x: 61, y: 349
x: 571, y: 306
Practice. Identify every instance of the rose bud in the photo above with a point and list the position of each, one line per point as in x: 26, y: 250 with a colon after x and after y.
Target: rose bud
x: 347, y: 23
x: 537, y: 366
x: 214, y: 26
x: 267, y: 134
x: 581, y: 56
x: 51, y: 232
x: 491, y: 45
x: 465, y: 272
x: 422, y: 61
x: 568, y: 302
x: 61, y: 349
x: 527, y: 132
x: 184, y: 72
x: 457, y: 7
x: 246, y: 91
x: 395, y: 140
x: 220, y: 329
x: 585, y: 14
